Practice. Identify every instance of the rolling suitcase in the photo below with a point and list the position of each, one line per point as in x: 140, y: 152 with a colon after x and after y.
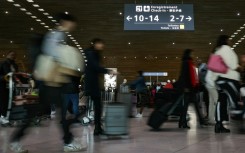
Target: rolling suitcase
x: 127, y: 98
x: 116, y: 119
x: 158, y: 117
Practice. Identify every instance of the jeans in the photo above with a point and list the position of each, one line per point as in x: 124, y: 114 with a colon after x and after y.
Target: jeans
x: 70, y: 99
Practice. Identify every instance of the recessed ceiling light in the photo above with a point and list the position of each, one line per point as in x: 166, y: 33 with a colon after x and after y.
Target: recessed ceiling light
x: 34, y: 17
x: 145, y: 57
x: 38, y: 20
x: 166, y: 57
x: 241, y: 27
x: 22, y: 9
x: 11, y: 41
x: 79, y: 47
x: 35, y: 5
x: 239, y: 30
x: 210, y: 43
x: 238, y: 14
x: 30, y: 1
x: 221, y: 30
x: 135, y: 57
x: 41, y: 9
x: 32, y: 29
x: 46, y: 26
x: 28, y: 13
x: 42, y: 23
x: 66, y: 12
x: 176, y: 57
x: 53, y: 20
x: 242, y: 38
x: 50, y: 17
x: 232, y: 35
x: 45, y: 13
x: 235, y: 33
x: 6, y: 12
x: 155, y: 57
x: 237, y: 43
x: 74, y: 40
x: 17, y: 5
x: 120, y: 13
x: 104, y: 56
x: 232, y: 48
x: 125, y: 57
x: 10, y: 1
x: 69, y: 35
x: 173, y: 43
x: 129, y: 43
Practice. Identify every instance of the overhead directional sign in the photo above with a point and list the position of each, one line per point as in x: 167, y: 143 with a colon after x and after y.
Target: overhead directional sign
x: 158, y: 17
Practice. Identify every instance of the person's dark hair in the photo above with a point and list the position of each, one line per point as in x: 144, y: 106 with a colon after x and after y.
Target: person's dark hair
x: 140, y: 73
x: 65, y: 17
x: 9, y: 52
x: 187, y: 54
x: 222, y: 40
x: 95, y: 41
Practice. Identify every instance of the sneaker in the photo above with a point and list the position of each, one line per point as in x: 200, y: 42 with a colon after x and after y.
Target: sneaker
x: 139, y: 116
x: 3, y: 120
x: 53, y: 112
x: 74, y: 148
x: 17, y: 148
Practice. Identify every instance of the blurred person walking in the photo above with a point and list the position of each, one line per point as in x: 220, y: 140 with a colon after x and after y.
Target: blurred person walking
x: 92, y: 81
x: 55, y: 75
x: 6, y: 67
x: 210, y: 85
x: 188, y: 82
x: 228, y: 83
x: 141, y: 91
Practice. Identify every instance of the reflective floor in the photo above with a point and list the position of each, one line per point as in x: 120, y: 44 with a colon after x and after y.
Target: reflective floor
x: 47, y: 139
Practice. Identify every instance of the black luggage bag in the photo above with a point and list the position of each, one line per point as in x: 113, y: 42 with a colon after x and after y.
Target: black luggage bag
x: 159, y: 116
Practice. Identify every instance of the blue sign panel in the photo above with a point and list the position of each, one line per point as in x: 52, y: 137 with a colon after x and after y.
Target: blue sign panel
x: 158, y: 17
x: 155, y: 74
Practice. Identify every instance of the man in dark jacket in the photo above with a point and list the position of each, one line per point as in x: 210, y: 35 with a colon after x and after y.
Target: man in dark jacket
x: 6, y: 67
x: 92, y: 85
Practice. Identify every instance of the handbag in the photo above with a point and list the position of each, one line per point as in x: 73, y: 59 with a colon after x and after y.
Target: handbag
x: 217, y: 64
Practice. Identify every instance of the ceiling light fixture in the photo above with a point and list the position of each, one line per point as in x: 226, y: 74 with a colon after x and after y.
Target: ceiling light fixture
x: 35, y: 5
x: 17, y: 5
x: 28, y: 13
x: 22, y: 9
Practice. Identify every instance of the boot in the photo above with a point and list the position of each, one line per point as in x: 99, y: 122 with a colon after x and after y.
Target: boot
x: 98, y: 130
x: 184, y: 125
x: 219, y: 128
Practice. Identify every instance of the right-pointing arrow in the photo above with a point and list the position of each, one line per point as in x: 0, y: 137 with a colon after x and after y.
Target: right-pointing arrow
x: 189, y: 18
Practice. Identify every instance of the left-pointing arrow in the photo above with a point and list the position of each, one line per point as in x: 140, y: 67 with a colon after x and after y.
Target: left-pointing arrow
x: 129, y: 18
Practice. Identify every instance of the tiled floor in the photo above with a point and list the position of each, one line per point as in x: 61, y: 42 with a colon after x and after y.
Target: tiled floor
x: 47, y: 139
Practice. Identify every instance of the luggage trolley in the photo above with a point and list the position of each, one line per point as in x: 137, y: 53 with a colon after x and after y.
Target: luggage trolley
x: 22, y: 105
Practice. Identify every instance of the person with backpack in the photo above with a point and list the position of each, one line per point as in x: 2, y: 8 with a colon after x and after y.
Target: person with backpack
x: 7, y: 66
x: 54, y: 73
x: 142, y: 91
